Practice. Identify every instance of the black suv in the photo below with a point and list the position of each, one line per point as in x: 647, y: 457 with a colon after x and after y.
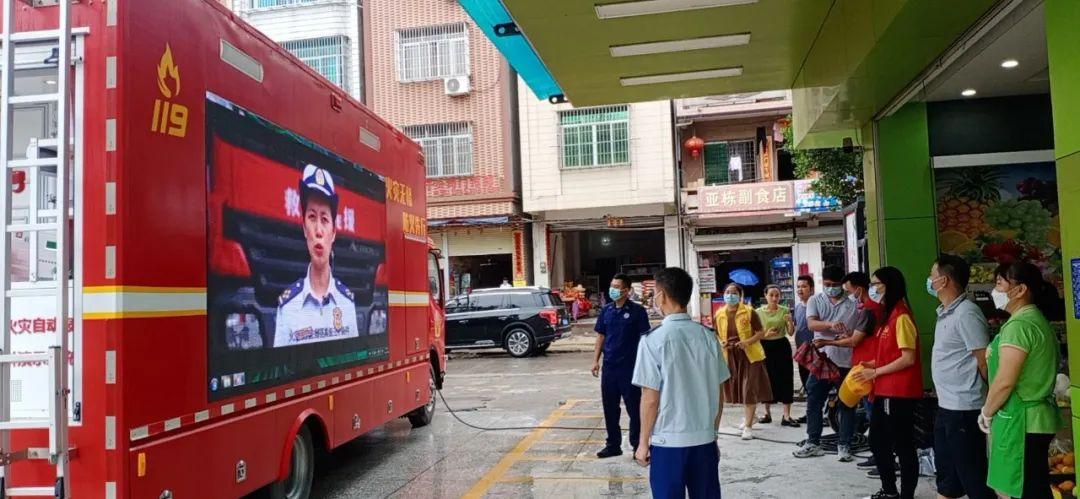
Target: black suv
x: 524, y: 321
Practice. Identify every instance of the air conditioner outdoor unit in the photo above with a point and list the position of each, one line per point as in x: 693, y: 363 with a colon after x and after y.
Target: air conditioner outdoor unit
x: 456, y: 85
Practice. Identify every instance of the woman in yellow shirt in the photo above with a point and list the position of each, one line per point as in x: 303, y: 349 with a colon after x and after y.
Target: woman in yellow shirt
x: 740, y: 331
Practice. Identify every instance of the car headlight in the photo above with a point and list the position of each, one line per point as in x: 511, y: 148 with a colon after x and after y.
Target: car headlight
x: 242, y: 332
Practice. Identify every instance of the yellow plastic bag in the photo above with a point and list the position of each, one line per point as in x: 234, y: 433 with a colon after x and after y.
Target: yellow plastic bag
x: 851, y: 391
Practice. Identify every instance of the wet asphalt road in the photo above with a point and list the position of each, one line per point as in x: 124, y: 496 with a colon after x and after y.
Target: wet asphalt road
x: 489, y: 388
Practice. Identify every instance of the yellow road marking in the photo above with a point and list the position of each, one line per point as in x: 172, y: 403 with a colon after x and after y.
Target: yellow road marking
x: 557, y: 459
x: 516, y: 454
x: 571, y: 442
x: 527, y: 479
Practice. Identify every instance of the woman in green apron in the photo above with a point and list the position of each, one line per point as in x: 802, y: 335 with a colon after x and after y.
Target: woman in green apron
x: 1020, y: 413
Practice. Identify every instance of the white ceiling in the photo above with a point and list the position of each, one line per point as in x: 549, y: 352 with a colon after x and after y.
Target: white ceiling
x: 981, y: 69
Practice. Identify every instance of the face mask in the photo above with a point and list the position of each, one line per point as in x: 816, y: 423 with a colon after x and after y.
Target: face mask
x: 875, y: 295
x: 614, y: 293
x: 731, y: 298
x: 1001, y: 298
x: 657, y: 298
x: 834, y: 291
x: 930, y: 287
x: 853, y: 298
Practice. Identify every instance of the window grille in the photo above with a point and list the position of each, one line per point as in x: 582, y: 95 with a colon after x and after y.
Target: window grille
x: 448, y: 147
x: 598, y: 136
x: 271, y: 4
x: 720, y: 157
x: 432, y: 52
x: 327, y: 55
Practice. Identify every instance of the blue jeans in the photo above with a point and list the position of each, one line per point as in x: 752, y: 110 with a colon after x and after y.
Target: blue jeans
x: 817, y: 393
x: 675, y: 472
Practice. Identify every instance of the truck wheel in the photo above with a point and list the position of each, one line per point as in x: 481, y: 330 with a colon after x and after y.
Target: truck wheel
x: 422, y: 416
x: 301, y: 469
x: 520, y: 343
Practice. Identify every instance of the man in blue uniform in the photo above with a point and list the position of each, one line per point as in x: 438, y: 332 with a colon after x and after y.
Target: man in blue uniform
x: 681, y: 371
x: 619, y: 328
x: 317, y: 307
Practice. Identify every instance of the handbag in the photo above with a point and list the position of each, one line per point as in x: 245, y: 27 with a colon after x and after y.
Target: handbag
x: 815, y: 361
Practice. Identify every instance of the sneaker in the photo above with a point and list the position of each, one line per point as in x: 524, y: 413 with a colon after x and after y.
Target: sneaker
x: 791, y: 423
x: 873, y: 474
x: 869, y: 464
x: 881, y: 494
x: 801, y: 419
x: 809, y: 450
x: 747, y: 434
x: 607, y: 452
x: 843, y: 454
x: 766, y: 419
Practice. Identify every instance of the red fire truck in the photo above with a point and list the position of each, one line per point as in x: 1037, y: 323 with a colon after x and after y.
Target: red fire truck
x: 216, y: 263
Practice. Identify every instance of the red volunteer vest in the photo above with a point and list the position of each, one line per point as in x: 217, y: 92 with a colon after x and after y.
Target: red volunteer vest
x: 866, y: 350
x: 906, y: 383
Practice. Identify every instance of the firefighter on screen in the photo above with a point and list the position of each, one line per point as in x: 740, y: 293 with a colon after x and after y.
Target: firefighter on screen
x: 318, y: 307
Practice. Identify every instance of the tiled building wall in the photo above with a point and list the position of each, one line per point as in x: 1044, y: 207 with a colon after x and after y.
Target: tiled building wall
x: 487, y: 107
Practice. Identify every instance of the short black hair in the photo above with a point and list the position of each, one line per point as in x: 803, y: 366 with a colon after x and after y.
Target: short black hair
x: 858, y: 279
x: 832, y: 273
x: 807, y: 278
x: 676, y: 284
x: 955, y: 268
x: 624, y: 278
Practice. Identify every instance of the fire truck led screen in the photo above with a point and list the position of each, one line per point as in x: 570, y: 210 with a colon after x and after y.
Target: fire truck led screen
x: 295, y: 256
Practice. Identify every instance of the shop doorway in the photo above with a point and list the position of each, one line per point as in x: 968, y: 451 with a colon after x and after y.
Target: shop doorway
x: 480, y: 271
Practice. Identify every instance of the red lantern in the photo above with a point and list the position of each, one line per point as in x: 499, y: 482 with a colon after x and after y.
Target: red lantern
x: 18, y: 181
x: 694, y: 145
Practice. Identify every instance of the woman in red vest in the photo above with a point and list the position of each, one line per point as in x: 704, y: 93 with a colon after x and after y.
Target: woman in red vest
x: 897, y: 376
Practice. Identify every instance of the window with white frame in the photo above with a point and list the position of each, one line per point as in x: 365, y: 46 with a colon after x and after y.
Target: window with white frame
x: 432, y: 52
x: 598, y: 136
x: 327, y: 55
x: 448, y: 147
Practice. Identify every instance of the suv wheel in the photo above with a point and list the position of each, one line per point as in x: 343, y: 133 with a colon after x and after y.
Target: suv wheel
x: 520, y: 343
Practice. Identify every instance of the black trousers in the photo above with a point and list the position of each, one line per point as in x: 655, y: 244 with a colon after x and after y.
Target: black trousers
x: 960, y: 455
x: 892, y: 430
x: 616, y: 386
x: 1036, y: 469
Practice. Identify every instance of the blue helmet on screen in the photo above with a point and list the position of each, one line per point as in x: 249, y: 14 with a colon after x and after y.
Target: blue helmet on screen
x: 317, y: 181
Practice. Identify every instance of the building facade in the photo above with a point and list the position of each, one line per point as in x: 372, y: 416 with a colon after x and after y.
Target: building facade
x: 748, y: 219
x: 327, y: 35
x: 599, y: 186
x: 433, y: 73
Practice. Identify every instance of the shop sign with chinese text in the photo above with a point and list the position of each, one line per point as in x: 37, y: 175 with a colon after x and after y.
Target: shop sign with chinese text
x: 757, y: 196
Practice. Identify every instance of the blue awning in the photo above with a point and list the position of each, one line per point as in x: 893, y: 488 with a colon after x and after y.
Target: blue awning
x: 492, y: 17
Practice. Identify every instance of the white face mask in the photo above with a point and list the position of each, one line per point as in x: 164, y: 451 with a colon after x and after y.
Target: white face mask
x: 1001, y: 298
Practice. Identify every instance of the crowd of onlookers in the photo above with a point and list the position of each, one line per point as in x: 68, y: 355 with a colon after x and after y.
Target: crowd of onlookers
x: 858, y: 333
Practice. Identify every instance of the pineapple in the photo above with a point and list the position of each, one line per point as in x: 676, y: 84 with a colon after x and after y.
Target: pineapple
x: 967, y: 194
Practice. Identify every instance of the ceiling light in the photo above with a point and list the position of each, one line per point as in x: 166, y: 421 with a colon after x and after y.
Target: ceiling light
x: 1010, y: 63
x: 710, y: 42
x: 647, y: 7
x: 673, y: 77
x: 968, y: 92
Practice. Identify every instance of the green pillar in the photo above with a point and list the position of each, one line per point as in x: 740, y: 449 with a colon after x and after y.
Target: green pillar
x: 901, y: 210
x: 1063, y: 44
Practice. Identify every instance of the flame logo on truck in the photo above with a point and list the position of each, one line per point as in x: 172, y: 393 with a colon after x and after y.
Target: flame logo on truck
x: 167, y: 69
x: 170, y: 118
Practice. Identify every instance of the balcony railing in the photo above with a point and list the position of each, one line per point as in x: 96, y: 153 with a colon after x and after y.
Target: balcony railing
x: 251, y: 6
x: 790, y: 196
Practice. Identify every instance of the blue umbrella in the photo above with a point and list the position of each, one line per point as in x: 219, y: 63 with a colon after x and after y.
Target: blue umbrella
x: 743, y: 277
